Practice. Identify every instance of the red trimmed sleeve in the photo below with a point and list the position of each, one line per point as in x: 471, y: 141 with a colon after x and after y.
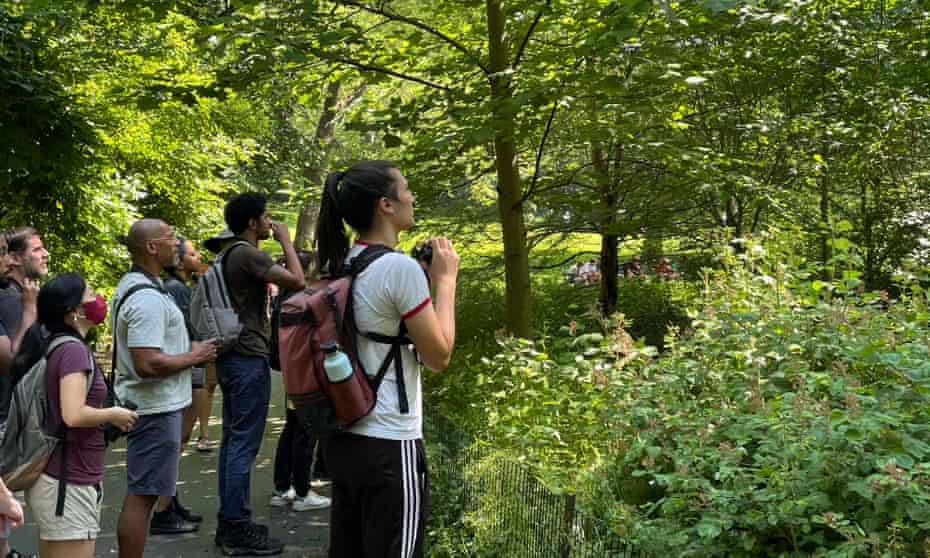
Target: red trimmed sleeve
x: 416, y: 309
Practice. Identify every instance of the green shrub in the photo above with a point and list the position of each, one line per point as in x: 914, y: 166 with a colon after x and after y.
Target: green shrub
x: 793, y: 422
x: 651, y: 305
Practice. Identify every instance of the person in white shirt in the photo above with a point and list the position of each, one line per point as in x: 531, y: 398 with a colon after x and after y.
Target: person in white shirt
x: 378, y: 466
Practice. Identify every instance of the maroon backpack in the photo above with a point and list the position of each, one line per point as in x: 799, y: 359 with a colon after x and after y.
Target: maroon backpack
x: 323, y: 312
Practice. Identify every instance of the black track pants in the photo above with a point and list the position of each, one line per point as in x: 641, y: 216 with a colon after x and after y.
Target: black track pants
x: 380, y: 491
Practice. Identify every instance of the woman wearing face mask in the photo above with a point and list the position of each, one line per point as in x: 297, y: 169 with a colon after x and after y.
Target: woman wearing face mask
x: 68, y: 307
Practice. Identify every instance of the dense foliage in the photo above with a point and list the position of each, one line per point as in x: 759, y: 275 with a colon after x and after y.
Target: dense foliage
x: 792, y: 422
x: 789, y: 419
x: 783, y: 415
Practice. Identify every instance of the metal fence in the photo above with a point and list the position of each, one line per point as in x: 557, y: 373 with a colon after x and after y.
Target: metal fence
x: 512, y: 512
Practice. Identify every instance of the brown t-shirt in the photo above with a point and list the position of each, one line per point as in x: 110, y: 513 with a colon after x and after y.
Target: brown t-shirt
x: 245, y: 267
x: 85, y: 445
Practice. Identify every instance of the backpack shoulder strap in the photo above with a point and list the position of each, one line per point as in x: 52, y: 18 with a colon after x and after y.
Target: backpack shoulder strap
x: 357, y: 265
x: 222, y: 255
x: 223, y: 293
x: 367, y: 257
x: 129, y: 292
x: 62, y: 434
x: 58, y: 341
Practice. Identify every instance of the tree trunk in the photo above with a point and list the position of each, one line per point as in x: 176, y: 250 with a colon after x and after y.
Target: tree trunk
x: 610, y: 242
x: 869, y: 273
x: 609, y: 239
x: 518, y: 295
x: 314, y: 174
x: 826, y: 231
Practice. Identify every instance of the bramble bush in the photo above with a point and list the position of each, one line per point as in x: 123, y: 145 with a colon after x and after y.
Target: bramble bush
x: 792, y: 422
x: 650, y: 305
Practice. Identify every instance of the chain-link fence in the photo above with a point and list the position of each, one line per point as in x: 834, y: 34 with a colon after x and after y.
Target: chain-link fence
x: 509, y: 509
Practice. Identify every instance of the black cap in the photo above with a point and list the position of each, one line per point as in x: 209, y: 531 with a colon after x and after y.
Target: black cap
x: 215, y: 243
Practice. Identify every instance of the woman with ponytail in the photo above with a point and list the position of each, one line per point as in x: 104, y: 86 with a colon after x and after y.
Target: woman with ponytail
x: 378, y: 465
x: 68, y: 307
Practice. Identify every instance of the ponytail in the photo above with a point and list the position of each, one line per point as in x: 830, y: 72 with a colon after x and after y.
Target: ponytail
x: 332, y: 243
x: 350, y: 198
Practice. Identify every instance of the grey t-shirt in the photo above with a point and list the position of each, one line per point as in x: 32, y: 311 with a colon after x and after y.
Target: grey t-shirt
x: 149, y: 319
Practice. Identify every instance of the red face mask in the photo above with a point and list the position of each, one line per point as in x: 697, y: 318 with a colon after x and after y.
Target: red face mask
x: 96, y: 310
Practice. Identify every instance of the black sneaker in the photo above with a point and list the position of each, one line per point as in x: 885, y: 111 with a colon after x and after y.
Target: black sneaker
x: 14, y: 554
x: 185, y: 513
x: 251, y: 540
x: 170, y: 523
x: 220, y: 535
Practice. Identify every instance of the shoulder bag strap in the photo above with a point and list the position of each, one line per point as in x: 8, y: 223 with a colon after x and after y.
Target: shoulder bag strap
x: 225, y: 299
x: 357, y: 265
x: 111, y: 381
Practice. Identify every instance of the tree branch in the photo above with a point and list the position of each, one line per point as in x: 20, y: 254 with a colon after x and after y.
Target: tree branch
x: 539, y: 154
x: 419, y: 25
x: 526, y: 38
x: 379, y: 69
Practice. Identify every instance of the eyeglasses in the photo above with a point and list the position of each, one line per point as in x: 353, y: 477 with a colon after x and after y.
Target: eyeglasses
x: 159, y: 239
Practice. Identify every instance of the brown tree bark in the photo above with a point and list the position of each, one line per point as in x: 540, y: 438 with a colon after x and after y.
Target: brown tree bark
x: 518, y: 294
x: 314, y: 174
x: 610, y: 240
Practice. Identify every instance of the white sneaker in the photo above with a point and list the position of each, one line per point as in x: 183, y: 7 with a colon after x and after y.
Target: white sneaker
x: 312, y: 501
x: 281, y: 499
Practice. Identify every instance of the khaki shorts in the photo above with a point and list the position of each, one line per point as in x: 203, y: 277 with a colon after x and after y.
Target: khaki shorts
x: 81, y: 518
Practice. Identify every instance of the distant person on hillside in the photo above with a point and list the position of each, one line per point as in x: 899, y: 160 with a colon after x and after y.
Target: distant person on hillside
x: 594, y: 272
x: 584, y: 272
x: 664, y: 268
x: 633, y: 268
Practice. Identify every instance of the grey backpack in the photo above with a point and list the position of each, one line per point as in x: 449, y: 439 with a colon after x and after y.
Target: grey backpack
x: 212, y: 315
x: 26, y: 446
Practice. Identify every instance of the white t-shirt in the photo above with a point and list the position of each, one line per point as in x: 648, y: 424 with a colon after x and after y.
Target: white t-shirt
x: 392, y: 289
x: 149, y: 319
x: 585, y: 269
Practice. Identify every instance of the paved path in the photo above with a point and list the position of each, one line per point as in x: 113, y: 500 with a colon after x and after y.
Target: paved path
x: 305, y: 533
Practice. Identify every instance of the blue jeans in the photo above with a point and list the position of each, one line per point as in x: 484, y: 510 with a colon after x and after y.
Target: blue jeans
x: 246, y: 384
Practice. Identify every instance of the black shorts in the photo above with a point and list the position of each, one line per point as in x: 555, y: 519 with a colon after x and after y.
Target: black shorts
x: 380, y: 497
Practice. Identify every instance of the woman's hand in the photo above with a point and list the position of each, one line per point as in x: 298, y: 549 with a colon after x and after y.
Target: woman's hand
x: 122, y: 418
x: 11, y: 511
x: 445, y: 262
